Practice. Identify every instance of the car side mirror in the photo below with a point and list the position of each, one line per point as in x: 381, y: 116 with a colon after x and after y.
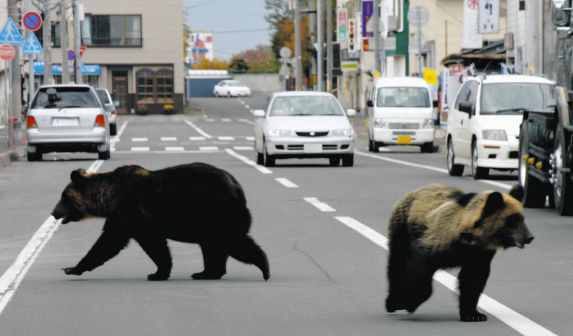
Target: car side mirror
x: 109, y: 107
x: 116, y: 103
x: 466, y: 107
x: 370, y: 103
x: 351, y: 112
x: 259, y: 113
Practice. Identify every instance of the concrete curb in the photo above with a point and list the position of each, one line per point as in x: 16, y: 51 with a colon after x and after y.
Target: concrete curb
x: 7, y: 156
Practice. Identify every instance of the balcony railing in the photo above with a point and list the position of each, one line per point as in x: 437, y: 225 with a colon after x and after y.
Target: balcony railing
x: 112, y: 42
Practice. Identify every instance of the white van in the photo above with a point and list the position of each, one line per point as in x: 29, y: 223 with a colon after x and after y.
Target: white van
x: 400, y: 114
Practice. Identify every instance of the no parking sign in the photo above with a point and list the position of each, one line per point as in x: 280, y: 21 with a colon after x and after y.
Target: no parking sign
x: 32, y: 21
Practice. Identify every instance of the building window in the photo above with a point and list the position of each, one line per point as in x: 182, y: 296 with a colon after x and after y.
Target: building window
x: 145, y: 87
x: 164, y: 84
x: 56, y: 40
x: 112, y: 31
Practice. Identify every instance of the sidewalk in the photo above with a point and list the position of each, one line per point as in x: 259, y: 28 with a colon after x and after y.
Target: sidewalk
x: 9, y: 155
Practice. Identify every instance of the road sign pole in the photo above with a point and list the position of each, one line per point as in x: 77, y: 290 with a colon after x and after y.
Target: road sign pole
x: 15, y: 81
x: 64, y: 46
x: 419, y: 44
x: 77, y: 43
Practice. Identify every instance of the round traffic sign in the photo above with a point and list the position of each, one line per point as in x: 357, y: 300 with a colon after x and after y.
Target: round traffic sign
x: 7, y: 52
x: 285, y: 52
x: 71, y: 55
x: 418, y: 16
x: 32, y: 21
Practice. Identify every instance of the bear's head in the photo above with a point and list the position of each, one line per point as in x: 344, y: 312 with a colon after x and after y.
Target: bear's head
x: 498, y: 222
x: 73, y: 205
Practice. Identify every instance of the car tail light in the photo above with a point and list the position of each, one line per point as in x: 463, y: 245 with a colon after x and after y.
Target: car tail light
x: 31, y: 122
x: 113, y: 112
x: 100, y: 121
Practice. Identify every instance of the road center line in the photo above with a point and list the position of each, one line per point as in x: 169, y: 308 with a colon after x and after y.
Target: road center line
x: 114, y: 140
x: 440, y: 170
x: 318, y: 204
x: 198, y: 130
x: 520, y: 323
x: 286, y: 182
x: 262, y: 169
x: 247, y: 121
x: 12, y: 278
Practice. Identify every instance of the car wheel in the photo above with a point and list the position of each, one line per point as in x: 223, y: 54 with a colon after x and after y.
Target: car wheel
x: 534, y: 191
x: 562, y: 185
x: 268, y: 159
x: 477, y: 171
x: 370, y: 144
x: 34, y: 157
x: 453, y: 169
x: 216, y: 94
x: 104, y: 155
x: 334, y: 161
x: 348, y: 160
x: 228, y: 94
x: 112, y: 129
x: 428, y: 147
x: 376, y: 146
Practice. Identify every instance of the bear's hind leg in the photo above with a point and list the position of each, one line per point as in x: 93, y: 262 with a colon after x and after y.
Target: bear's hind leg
x: 214, y: 260
x: 156, y: 248
x: 246, y: 250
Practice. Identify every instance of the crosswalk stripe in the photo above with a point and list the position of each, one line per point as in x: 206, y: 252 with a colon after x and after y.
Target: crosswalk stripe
x: 140, y: 149
x: 226, y: 138
x: 139, y: 139
x: 168, y: 139
x: 196, y: 138
x: 209, y: 148
x: 174, y: 148
x: 245, y: 148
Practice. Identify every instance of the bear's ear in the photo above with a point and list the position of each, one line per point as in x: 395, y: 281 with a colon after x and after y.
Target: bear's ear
x: 493, y: 203
x: 82, y: 171
x: 78, y: 179
x: 517, y: 192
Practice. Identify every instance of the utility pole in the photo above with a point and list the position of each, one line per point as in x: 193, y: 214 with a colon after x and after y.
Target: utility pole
x: 64, y: 40
x: 15, y: 80
x: 319, y: 57
x: 47, y: 47
x: 30, y: 67
x: 312, y: 32
x: 297, y: 47
x: 77, y: 42
x: 376, y: 28
x: 329, y: 46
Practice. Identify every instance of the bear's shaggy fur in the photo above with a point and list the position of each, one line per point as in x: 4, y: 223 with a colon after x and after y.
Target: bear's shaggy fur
x: 439, y: 227
x: 193, y: 203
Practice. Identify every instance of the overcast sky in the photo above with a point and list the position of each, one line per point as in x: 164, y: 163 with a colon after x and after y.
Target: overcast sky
x: 238, y: 24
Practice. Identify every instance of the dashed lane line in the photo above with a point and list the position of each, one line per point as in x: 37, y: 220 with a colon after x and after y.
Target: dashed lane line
x: 262, y: 169
x: 198, y: 130
x: 318, y: 204
x: 168, y: 139
x: 287, y: 183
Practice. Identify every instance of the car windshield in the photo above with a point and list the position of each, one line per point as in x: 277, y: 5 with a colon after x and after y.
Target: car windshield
x: 403, y: 97
x: 103, y: 96
x: 515, y: 98
x: 305, y: 106
x: 66, y: 97
x: 235, y: 84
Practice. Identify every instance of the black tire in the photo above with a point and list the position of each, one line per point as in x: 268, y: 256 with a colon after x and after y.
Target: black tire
x: 34, y: 157
x: 370, y: 144
x: 562, y: 185
x: 334, y: 161
x: 453, y: 169
x: 112, y: 129
x: 428, y: 147
x: 104, y: 155
x: 534, y: 191
x: 348, y: 160
x: 268, y: 159
x: 260, y: 159
x: 375, y: 146
x: 478, y: 172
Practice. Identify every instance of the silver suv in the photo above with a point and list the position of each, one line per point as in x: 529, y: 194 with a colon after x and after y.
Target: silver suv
x: 67, y: 118
x: 105, y: 99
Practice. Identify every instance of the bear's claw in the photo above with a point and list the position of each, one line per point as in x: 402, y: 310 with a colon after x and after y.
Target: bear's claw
x: 72, y: 271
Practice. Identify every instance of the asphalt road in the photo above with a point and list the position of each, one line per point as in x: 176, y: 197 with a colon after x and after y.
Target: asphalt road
x: 322, y: 227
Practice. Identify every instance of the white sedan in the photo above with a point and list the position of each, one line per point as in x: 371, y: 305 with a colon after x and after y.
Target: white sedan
x: 231, y: 88
x: 304, y: 125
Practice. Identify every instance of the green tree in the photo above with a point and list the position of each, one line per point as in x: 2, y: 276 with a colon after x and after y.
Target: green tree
x: 238, y: 65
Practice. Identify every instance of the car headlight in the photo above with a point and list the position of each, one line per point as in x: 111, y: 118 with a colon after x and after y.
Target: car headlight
x: 496, y: 135
x: 380, y: 123
x: 428, y: 123
x: 348, y: 132
x: 280, y: 133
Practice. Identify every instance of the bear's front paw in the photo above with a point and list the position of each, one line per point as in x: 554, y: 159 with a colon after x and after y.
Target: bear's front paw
x: 157, y: 277
x: 207, y: 276
x: 72, y: 271
x: 473, y: 316
x: 392, y: 305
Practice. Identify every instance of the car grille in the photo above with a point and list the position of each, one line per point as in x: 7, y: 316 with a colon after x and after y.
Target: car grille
x: 312, y: 134
x: 301, y: 147
x: 403, y: 133
x: 403, y: 126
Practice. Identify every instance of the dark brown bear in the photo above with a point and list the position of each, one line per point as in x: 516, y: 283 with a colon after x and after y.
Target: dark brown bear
x: 439, y: 227
x: 192, y: 203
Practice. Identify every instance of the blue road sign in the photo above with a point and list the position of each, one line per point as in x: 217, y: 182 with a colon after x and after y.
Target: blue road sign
x: 71, y: 55
x: 32, y: 45
x: 10, y: 34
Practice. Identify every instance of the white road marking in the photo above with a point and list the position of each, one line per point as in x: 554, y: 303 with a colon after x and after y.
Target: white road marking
x: 209, y: 148
x: 243, y: 148
x: 226, y: 120
x: 251, y: 138
x: 117, y: 138
x: 262, y: 169
x: 247, y: 121
x: 169, y: 152
x: 198, y: 130
x: 174, y: 148
x: 196, y: 138
x: 440, y: 170
x: 14, y: 275
x: 168, y: 139
x: 247, y: 106
x: 286, y: 182
x: 226, y: 138
x: 210, y: 120
x: 520, y: 323
x: 139, y: 139
x: 139, y: 149
x: 320, y: 205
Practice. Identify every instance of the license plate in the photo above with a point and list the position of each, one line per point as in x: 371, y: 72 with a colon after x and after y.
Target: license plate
x: 313, y: 148
x: 65, y: 122
x: 404, y: 139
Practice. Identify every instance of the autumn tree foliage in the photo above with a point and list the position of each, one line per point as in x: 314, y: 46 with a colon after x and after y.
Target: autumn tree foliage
x: 215, y: 64
x: 259, y: 60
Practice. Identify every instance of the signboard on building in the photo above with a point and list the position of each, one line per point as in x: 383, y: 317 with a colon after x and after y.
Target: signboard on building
x: 367, y: 23
x: 488, y: 16
x: 471, y: 38
x: 353, y: 39
x: 341, y: 24
x: 199, y: 46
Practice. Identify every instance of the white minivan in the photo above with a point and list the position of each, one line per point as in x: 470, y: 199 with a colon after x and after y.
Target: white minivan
x: 400, y: 113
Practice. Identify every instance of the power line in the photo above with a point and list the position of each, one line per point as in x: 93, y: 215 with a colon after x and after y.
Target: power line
x: 201, y: 4
x: 239, y: 31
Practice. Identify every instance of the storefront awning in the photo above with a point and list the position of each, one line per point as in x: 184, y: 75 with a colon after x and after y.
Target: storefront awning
x: 57, y: 69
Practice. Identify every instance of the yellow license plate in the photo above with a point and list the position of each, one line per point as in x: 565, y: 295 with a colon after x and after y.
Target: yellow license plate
x: 404, y: 139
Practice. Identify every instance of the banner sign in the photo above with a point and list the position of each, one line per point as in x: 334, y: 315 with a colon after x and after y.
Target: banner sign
x: 367, y: 13
x: 471, y: 39
x: 341, y: 22
x: 488, y: 16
